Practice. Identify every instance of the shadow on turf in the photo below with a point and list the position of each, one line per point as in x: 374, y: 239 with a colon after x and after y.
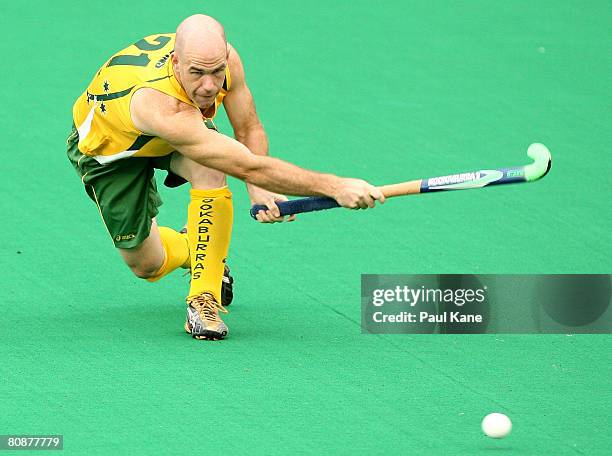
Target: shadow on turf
x: 163, y: 321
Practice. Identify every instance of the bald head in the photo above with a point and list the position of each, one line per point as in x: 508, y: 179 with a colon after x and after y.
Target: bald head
x: 200, y: 34
x: 200, y: 58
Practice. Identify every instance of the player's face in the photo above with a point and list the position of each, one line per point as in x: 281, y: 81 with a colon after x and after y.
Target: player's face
x: 202, y: 77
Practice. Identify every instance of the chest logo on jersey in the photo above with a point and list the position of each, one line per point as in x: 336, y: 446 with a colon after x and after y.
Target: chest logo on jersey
x: 161, y: 62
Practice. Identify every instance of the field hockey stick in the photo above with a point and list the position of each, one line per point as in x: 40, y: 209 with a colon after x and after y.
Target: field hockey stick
x: 476, y: 179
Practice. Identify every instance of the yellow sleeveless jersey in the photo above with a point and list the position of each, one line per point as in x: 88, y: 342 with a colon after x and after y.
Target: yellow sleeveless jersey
x: 102, y: 113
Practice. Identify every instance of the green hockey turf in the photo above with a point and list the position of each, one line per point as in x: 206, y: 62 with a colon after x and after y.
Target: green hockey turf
x: 386, y: 91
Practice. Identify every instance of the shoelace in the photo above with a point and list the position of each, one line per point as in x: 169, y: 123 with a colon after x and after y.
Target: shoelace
x: 207, y: 305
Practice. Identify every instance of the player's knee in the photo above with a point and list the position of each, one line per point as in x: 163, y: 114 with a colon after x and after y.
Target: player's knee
x: 144, y: 270
x: 205, y: 178
x: 144, y: 260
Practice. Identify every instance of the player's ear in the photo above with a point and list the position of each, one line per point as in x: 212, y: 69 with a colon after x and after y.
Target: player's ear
x: 175, y: 63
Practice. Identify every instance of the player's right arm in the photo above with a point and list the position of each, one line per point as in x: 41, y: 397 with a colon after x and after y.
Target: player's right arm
x: 181, y: 125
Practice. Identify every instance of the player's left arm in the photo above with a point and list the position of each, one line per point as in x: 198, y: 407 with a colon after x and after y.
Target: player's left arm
x: 248, y: 130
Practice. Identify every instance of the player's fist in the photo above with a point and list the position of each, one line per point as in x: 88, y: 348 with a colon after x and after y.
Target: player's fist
x: 357, y: 194
x: 272, y: 214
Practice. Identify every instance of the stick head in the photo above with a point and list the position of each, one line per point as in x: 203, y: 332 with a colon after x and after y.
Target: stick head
x: 541, y: 162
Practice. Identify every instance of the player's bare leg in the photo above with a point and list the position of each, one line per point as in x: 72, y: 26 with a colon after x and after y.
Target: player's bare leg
x: 163, y: 251
x: 146, y: 259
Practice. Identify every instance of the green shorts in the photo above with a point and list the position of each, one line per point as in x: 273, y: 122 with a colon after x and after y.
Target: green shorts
x: 124, y: 191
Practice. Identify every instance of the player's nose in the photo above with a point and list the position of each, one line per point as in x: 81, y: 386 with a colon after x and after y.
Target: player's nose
x: 208, y: 85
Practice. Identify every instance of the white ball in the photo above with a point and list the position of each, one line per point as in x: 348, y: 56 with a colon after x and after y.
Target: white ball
x: 496, y: 425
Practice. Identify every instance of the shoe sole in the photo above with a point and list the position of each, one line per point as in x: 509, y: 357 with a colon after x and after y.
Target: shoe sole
x: 206, y: 334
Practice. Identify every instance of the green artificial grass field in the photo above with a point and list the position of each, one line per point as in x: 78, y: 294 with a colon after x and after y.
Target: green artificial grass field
x: 388, y: 92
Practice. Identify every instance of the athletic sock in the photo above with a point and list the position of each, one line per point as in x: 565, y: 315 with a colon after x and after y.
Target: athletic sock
x: 209, y: 229
x: 176, y: 252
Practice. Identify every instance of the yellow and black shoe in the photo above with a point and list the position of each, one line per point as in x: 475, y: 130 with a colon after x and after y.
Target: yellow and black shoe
x: 203, y: 321
x: 227, y: 287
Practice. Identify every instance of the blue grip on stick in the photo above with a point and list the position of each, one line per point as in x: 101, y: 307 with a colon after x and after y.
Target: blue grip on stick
x: 315, y: 203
